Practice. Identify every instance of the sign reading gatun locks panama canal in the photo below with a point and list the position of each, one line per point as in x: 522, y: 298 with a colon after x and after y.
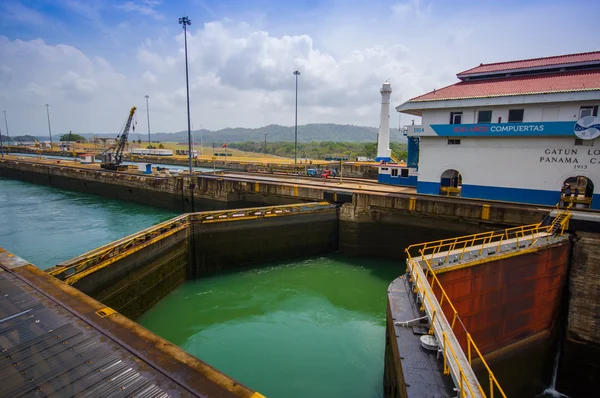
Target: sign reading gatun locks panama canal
x: 586, y: 128
x: 579, y: 157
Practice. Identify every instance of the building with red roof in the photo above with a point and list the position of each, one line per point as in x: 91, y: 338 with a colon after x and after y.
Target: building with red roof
x: 520, y: 131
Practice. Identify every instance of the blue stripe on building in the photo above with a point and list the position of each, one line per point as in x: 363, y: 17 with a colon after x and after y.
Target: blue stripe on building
x: 519, y: 195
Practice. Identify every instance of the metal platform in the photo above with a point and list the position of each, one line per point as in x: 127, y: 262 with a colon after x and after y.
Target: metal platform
x: 56, y: 341
x: 423, y: 371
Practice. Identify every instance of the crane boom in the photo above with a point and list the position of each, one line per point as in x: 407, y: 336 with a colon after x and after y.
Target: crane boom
x: 113, y: 156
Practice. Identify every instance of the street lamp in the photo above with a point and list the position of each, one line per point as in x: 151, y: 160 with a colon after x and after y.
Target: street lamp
x: 265, y: 150
x: 185, y: 21
x: 297, y: 73
x: 49, y: 129
x: 7, y: 135
x: 148, y: 116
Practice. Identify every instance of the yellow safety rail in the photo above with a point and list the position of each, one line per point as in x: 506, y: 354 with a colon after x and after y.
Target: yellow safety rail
x: 450, y: 344
x: 448, y: 191
x: 124, y: 246
x: 519, y: 234
x: 77, y: 268
x: 207, y: 217
x: 425, y: 289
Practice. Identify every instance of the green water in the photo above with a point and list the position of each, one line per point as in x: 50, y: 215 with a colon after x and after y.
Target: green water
x: 307, y: 328
x: 46, y: 225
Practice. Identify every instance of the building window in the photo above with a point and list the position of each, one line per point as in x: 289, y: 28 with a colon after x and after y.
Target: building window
x: 455, y: 117
x: 591, y: 110
x: 579, y: 141
x: 404, y: 173
x: 484, y: 117
x: 394, y: 172
x: 453, y: 142
x: 515, y: 115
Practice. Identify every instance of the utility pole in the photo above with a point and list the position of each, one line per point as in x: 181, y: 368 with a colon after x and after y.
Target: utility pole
x: 49, y: 129
x: 148, y: 116
x: 185, y: 21
x: 265, y: 150
x: 296, y: 73
x: 7, y: 134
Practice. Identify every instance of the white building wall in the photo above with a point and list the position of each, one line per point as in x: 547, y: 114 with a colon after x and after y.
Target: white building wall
x: 512, y: 162
x: 562, y: 111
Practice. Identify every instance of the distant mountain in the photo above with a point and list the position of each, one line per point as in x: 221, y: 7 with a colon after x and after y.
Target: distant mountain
x: 306, y: 133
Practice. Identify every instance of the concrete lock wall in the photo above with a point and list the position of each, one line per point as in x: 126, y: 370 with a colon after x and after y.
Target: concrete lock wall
x: 579, y: 365
x: 166, y: 193
x: 230, y: 245
x: 132, y: 282
x: 136, y: 281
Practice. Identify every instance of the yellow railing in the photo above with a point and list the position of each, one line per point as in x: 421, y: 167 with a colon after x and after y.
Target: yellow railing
x: 518, y: 235
x: 76, y: 268
x: 575, y: 199
x: 425, y: 288
x: 450, y: 190
x: 420, y: 279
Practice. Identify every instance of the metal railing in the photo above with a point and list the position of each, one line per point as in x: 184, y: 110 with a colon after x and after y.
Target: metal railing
x: 67, y: 270
x: 455, y: 362
x: 425, y: 282
x: 72, y: 270
x: 207, y: 217
x: 518, y: 235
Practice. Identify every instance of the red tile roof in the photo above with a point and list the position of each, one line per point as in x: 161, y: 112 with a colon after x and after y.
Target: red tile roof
x: 519, y: 85
x: 533, y: 63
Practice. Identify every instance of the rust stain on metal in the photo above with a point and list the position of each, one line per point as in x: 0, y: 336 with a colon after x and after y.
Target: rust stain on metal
x: 508, y: 299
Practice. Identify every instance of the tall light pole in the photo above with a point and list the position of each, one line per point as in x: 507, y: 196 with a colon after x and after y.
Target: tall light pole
x: 6, y: 124
x: 265, y: 150
x: 148, y: 116
x: 297, y: 73
x: 185, y: 21
x: 49, y: 129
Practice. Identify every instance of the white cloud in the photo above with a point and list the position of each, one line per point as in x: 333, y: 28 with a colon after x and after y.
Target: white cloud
x: 144, y: 8
x: 149, y: 77
x: 241, y: 75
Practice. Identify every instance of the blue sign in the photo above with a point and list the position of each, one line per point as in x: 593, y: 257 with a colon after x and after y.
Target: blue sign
x: 539, y: 129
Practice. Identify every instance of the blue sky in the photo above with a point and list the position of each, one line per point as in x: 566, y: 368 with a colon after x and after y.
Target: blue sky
x: 92, y: 60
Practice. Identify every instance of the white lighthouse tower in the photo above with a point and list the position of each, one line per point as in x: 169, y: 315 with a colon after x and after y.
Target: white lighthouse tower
x: 384, y: 153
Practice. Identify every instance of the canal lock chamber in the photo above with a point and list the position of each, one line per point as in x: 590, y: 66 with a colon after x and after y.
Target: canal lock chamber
x: 135, y: 273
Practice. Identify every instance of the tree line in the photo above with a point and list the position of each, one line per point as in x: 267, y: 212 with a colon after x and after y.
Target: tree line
x: 319, y: 149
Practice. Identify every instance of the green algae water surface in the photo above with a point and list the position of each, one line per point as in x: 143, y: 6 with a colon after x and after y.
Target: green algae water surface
x: 306, y: 328
x: 46, y: 225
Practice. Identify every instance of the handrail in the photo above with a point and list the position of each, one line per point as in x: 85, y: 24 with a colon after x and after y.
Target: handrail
x: 105, y: 254
x: 430, y: 249
x: 483, y: 238
x: 414, y: 268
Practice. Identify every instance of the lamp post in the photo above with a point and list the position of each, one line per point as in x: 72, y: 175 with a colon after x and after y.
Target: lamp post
x: 49, y: 129
x: 1, y: 145
x: 296, y: 73
x: 185, y: 21
x: 7, y: 134
x: 148, y: 117
x: 265, y: 150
